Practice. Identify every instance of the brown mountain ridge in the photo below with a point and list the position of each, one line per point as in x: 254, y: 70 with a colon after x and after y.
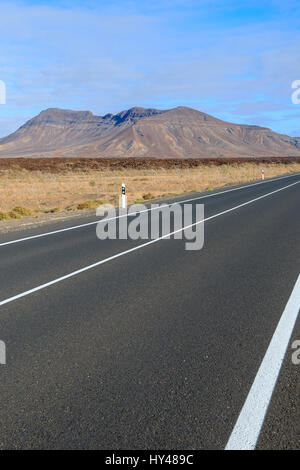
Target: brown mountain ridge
x: 138, y: 132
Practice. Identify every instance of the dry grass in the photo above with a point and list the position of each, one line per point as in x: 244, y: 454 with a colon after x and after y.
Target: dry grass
x: 23, y: 191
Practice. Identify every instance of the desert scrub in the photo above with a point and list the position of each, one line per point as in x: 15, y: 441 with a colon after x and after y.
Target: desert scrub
x: 148, y: 196
x: 4, y: 216
x: 17, y: 213
x: 86, y: 205
x: 52, y: 211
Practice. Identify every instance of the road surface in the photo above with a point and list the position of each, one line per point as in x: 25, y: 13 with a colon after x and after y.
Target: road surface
x: 159, y: 348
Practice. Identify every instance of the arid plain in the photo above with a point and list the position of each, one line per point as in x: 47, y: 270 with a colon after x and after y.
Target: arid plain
x: 32, y: 187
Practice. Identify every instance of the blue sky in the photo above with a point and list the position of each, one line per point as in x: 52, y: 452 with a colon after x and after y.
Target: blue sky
x: 235, y: 61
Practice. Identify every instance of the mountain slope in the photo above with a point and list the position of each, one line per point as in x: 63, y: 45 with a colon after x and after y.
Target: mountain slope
x: 177, y: 133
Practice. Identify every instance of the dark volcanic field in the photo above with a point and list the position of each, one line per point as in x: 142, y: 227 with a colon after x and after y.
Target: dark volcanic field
x: 63, y: 164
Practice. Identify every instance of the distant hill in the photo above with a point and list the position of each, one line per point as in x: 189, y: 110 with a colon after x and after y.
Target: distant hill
x: 175, y: 133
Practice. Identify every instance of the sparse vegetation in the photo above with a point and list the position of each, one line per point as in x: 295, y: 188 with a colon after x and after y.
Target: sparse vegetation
x: 16, y: 213
x: 30, y: 191
x: 148, y: 196
x: 87, y: 205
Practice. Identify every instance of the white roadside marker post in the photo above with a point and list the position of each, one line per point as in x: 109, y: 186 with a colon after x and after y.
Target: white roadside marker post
x: 123, y: 197
x: 262, y: 174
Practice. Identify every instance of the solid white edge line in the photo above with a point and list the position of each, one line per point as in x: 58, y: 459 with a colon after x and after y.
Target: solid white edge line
x: 32, y: 237
x: 98, y: 263
x: 250, y: 421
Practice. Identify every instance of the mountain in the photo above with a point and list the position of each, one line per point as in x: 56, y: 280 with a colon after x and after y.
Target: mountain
x: 175, y: 133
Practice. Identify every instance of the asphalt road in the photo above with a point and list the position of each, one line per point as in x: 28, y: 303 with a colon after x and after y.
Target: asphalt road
x: 158, y: 348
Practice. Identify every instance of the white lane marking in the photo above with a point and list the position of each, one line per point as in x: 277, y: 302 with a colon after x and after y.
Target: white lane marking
x: 250, y: 421
x: 146, y: 210
x: 98, y: 263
